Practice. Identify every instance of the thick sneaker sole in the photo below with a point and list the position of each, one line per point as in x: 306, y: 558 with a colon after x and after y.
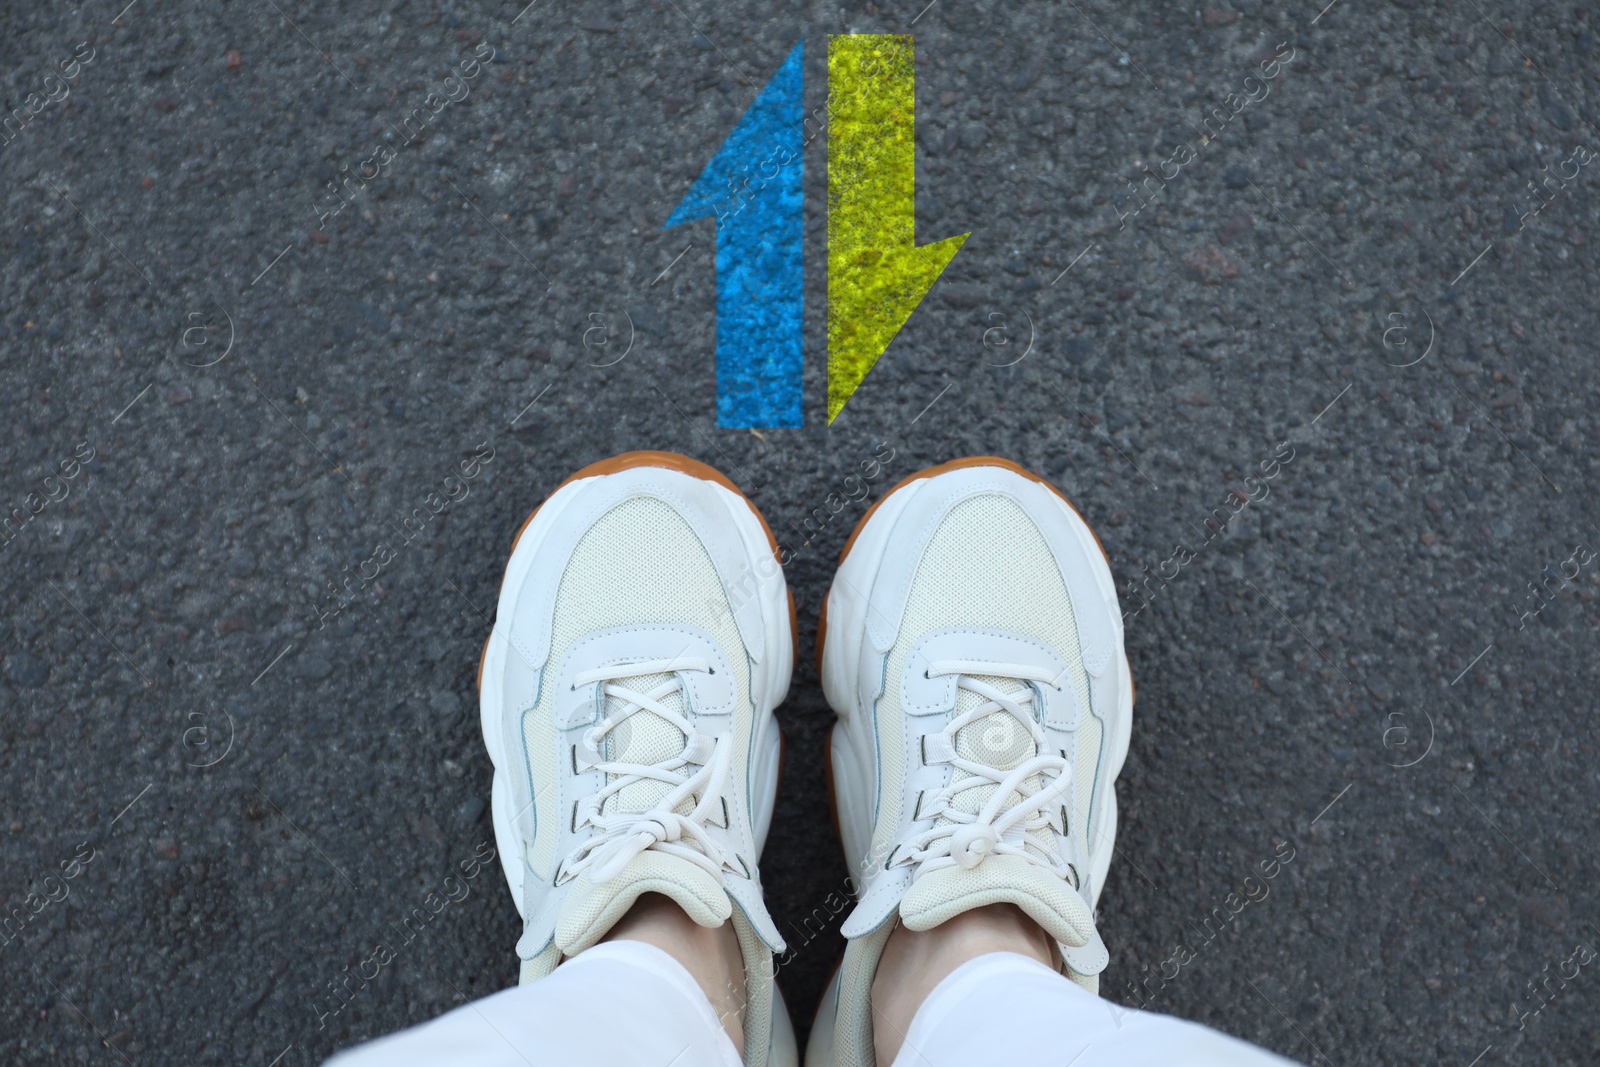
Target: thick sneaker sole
x: 778, y: 623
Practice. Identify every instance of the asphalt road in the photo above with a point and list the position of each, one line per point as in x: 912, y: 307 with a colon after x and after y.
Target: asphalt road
x: 224, y: 386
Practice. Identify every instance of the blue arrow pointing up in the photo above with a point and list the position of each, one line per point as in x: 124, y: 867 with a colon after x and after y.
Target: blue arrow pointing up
x: 752, y: 186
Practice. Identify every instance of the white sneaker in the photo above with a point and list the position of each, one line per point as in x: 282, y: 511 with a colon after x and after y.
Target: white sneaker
x: 644, y: 637
x: 972, y: 648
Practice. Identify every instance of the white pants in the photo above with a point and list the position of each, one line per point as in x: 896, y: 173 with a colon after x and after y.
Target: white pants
x: 629, y: 1004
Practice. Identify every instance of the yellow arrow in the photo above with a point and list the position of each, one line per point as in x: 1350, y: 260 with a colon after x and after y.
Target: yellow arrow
x: 876, y: 273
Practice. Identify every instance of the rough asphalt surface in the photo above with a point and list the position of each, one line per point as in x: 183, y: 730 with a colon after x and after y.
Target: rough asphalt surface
x: 212, y: 807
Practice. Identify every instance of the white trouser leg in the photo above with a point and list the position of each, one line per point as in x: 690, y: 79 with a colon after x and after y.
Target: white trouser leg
x: 1008, y: 1009
x: 619, y: 1004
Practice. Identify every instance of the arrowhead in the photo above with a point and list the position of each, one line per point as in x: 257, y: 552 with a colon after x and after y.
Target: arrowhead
x: 880, y: 289
x: 733, y: 181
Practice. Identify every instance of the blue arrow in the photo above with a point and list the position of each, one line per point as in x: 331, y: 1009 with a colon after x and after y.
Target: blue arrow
x: 752, y: 186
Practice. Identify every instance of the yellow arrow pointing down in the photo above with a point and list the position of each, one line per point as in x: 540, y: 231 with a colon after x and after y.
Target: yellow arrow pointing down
x: 876, y: 274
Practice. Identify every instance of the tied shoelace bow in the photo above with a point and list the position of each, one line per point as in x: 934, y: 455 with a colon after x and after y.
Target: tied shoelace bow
x: 968, y: 837
x: 622, y: 835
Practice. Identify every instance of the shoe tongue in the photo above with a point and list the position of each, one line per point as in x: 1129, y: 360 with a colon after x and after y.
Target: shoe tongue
x: 646, y: 738
x: 942, y: 894
x: 1000, y: 741
x: 591, y: 910
x: 995, y: 740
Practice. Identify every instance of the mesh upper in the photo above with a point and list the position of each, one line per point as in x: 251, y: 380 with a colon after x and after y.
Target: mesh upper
x: 986, y: 566
x: 639, y: 563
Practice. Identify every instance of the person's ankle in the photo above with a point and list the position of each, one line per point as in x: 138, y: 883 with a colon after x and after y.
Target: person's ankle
x: 710, y: 954
x: 915, y: 962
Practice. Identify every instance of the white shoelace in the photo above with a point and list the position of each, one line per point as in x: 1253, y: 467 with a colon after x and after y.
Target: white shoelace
x: 969, y: 837
x: 622, y: 835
